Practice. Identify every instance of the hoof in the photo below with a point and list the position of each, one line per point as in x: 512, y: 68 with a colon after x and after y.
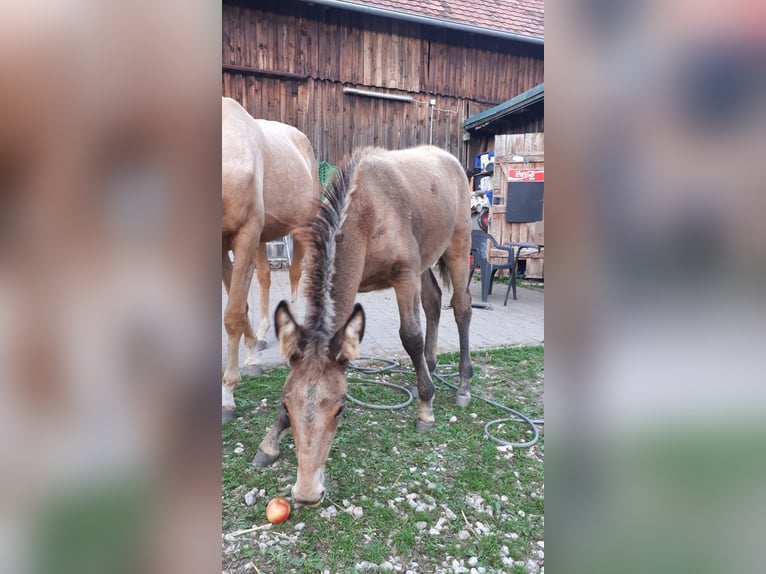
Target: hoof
x: 263, y: 459
x: 260, y: 345
x: 226, y: 415
x: 463, y: 400
x: 423, y: 426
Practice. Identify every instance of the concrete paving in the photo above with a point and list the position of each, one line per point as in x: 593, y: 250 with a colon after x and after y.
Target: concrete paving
x: 518, y: 323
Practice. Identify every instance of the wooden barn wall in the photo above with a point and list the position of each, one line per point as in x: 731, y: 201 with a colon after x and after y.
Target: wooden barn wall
x: 293, y: 61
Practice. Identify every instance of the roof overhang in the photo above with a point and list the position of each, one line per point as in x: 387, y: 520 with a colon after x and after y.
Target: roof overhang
x: 508, y: 107
x: 418, y: 19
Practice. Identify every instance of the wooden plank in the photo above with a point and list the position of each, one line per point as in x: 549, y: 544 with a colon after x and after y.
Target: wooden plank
x: 378, y: 66
x: 346, y: 55
x: 367, y: 39
x: 262, y: 72
x: 392, y: 78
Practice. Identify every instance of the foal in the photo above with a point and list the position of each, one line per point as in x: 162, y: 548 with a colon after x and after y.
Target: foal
x: 388, y: 217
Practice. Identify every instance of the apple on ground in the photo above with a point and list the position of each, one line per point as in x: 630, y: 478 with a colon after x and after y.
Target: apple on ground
x: 278, y: 510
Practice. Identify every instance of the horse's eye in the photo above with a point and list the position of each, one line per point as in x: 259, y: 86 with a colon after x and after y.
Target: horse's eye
x: 340, y: 410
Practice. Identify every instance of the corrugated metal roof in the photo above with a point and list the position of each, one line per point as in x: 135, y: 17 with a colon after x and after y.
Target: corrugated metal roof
x: 508, y: 107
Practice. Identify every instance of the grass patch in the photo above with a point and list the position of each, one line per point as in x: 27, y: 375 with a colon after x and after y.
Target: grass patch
x: 485, y: 503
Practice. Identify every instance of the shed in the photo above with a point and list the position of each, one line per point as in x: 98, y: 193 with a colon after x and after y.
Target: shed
x: 514, y: 132
x: 394, y: 73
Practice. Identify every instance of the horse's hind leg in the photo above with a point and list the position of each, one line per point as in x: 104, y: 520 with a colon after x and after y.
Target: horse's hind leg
x: 457, y: 263
x: 264, y: 283
x: 408, y: 298
x: 431, y: 297
x: 235, y: 317
x: 227, y: 268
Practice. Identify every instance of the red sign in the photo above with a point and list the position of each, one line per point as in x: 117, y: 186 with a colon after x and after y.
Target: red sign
x: 526, y: 175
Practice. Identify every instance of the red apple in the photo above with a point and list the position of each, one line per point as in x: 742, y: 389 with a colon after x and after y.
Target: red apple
x: 278, y: 510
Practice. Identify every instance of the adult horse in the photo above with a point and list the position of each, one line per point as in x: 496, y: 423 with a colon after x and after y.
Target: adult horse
x: 269, y: 187
x: 388, y: 218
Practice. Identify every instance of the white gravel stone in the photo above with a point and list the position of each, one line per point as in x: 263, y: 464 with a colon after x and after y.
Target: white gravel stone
x: 328, y: 513
x: 357, y: 512
x: 453, y: 419
x: 421, y: 525
x: 345, y: 503
x: 504, y: 551
x: 513, y: 536
x: 251, y: 496
x: 463, y: 535
x: 532, y: 566
x: 473, y: 561
x: 541, y: 554
x: 300, y: 526
x: 541, y: 543
x: 239, y: 450
x: 386, y: 566
x: 457, y: 568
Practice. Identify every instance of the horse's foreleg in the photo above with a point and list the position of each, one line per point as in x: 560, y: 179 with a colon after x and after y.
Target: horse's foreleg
x: 235, y: 318
x: 408, y: 298
x: 431, y: 298
x: 268, y: 450
x: 264, y: 283
x: 248, y: 329
x: 461, y: 305
x: 296, y: 266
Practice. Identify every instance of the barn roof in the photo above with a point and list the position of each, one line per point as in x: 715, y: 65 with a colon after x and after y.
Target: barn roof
x: 522, y: 20
x: 508, y: 107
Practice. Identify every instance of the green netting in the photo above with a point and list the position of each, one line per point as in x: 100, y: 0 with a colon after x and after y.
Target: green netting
x: 325, y: 171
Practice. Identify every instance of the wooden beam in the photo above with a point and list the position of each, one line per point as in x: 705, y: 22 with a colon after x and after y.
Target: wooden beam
x: 269, y: 73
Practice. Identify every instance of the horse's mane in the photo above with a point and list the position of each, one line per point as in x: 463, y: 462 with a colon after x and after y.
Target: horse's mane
x: 322, y: 240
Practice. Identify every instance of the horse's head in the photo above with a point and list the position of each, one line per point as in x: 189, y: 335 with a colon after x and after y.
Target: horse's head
x: 314, y: 395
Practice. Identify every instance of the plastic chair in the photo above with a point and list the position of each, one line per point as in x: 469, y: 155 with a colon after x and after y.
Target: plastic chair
x: 481, y: 261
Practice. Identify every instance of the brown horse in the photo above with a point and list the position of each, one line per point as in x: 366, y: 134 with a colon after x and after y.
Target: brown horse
x: 388, y: 218
x: 269, y: 187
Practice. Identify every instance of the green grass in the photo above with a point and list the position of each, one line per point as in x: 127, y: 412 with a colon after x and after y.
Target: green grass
x: 384, y: 456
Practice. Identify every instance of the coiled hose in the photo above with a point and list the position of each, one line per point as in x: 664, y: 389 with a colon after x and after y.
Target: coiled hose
x: 391, y: 366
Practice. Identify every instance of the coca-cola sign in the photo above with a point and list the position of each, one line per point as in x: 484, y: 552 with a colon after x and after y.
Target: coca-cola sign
x: 526, y: 175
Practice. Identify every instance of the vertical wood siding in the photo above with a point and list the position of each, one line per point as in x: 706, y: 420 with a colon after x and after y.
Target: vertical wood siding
x: 332, y: 49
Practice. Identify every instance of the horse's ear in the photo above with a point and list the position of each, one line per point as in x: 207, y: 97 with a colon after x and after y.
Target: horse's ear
x: 287, y: 329
x: 348, y: 339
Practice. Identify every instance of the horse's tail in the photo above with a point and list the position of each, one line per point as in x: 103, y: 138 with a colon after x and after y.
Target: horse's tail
x: 444, y: 272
